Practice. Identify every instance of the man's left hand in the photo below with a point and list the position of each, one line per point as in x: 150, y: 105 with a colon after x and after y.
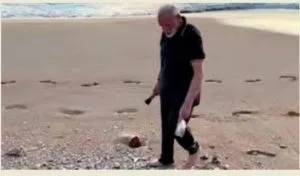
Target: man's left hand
x: 185, y: 111
x: 194, y: 92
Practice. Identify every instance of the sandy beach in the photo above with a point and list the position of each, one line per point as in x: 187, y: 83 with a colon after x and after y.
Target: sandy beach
x: 63, y: 82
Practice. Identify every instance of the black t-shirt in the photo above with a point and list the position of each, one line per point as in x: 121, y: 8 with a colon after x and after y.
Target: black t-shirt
x: 176, y: 54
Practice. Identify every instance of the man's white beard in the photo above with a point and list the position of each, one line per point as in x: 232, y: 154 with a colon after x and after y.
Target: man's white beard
x: 172, y: 33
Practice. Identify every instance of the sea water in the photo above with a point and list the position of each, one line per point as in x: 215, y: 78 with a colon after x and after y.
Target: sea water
x: 85, y: 10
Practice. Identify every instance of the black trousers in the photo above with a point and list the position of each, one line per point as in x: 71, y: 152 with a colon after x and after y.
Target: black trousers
x: 170, y: 107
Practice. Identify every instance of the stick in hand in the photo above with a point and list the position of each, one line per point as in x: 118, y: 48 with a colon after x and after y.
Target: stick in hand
x: 149, y: 99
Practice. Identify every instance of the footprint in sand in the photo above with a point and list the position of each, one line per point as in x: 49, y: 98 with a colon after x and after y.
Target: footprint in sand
x: 16, y: 152
x: 260, y: 152
x: 71, y: 111
x: 8, y: 82
x: 90, y: 84
x: 131, y: 82
x: 16, y: 106
x: 213, y: 81
x: 193, y: 116
x: 48, y: 82
x: 292, y: 114
x: 244, y: 112
x: 58, y: 137
x: 252, y: 80
x: 126, y: 111
x: 289, y: 77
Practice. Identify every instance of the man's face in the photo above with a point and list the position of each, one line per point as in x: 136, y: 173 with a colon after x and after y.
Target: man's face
x: 169, y: 24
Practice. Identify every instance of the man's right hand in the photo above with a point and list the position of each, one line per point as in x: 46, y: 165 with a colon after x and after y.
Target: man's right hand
x: 156, y: 89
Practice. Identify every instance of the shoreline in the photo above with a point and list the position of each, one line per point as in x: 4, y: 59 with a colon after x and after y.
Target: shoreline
x: 283, y: 21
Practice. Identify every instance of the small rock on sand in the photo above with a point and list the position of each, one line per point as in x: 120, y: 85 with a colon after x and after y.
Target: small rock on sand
x: 88, y: 167
x: 133, y: 141
x: 204, y: 157
x: 117, y: 165
x: 225, y: 166
x: 50, y: 161
x: 136, y: 159
x: 43, y: 166
x: 215, y: 160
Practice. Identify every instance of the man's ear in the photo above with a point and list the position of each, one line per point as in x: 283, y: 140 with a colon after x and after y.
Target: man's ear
x: 178, y: 16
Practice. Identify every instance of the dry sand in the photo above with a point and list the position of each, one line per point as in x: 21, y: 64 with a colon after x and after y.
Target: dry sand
x: 65, y: 54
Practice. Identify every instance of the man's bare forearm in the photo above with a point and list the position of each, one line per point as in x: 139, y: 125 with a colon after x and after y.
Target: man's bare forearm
x: 194, y: 90
x: 159, y: 75
x: 195, y: 86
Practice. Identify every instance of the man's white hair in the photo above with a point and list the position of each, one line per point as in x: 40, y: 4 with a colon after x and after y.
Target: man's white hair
x: 168, y: 9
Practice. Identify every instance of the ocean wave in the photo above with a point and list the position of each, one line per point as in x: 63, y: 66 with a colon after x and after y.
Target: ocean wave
x: 73, y: 10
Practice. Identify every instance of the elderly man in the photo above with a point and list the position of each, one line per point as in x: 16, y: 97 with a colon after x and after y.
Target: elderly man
x: 179, y: 82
